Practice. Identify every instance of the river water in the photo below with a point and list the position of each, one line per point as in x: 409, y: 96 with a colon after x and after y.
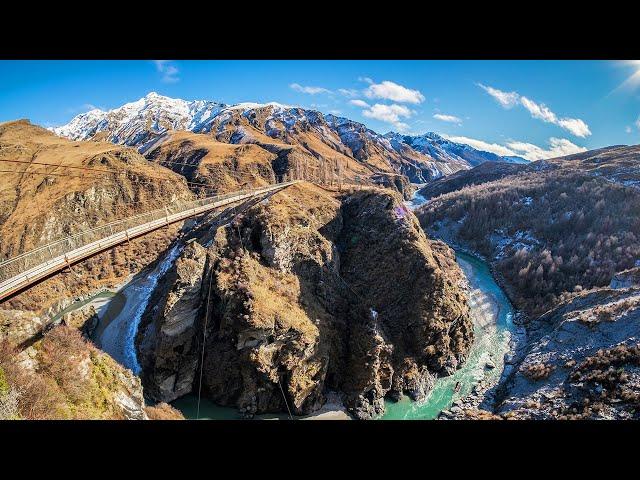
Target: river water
x: 492, y: 316
x: 493, y: 326
x: 118, y: 327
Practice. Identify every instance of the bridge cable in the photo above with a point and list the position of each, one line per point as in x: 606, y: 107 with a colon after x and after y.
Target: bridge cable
x: 116, y: 172
x: 204, y: 339
x: 117, y: 205
x: 159, y: 163
x: 100, y: 177
x: 285, y: 398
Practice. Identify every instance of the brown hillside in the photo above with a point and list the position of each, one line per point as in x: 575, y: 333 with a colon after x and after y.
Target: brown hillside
x: 38, y: 209
x: 202, y: 159
x: 311, y: 140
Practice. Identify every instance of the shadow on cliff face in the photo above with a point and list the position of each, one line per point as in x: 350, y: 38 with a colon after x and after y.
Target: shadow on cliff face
x: 307, y: 293
x: 166, y: 342
x: 416, y: 325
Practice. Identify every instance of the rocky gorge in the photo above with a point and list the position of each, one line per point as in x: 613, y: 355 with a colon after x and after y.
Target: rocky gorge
x: 301, y: 295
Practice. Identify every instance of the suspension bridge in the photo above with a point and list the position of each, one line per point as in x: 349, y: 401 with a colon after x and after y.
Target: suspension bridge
x: 29, y: 268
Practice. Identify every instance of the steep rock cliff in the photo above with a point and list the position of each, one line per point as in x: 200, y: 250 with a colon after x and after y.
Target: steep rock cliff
x: 309, y: 292
x: 167, y: 350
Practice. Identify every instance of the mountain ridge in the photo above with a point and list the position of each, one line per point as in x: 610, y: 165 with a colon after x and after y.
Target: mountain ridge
x: 140, y: 123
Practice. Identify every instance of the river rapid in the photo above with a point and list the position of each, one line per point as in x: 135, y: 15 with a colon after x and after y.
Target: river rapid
x: 492, y: 316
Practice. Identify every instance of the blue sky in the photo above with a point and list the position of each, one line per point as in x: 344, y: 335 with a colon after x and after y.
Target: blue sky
x: 531, y: 108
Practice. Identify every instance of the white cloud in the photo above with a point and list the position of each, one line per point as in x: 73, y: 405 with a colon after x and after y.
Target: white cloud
x: 575, y: 126
x: 539, y: 111
x: 348, y: 92
x: 392, y: 91
x: 335, y: 112
x: 627, y: 129
x: 365, y: 80
x: 307, y: 89
x: 168, y: 70
x: 359, y: 103
x: 558, y: 147
x: 637, y: 124
x: 506, y: 99
x: 482, y: 145
x: 387, y: 113
x: 390, y: 114
x: 448, y: 118
x: 542, y: 112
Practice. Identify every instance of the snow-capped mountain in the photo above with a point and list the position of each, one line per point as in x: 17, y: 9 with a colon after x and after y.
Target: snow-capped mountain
x: 357, y: 135
x: 138, y: 123
x: 143, y: 123
x: 445, y: 150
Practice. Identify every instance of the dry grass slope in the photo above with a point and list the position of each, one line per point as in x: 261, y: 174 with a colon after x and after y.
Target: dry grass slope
x: 38, y: 209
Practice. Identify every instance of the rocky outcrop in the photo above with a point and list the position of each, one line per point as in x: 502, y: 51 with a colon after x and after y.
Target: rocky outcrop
x: 626, y: 279
x: 309, y: 292
x: 18, y: 326
x: 426, y: 321
x: 399, y: 183
x: 166, y: 339
x: 63, y: 376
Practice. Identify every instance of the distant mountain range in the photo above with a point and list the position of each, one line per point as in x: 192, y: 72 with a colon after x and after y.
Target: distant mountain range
x: 278, y: 128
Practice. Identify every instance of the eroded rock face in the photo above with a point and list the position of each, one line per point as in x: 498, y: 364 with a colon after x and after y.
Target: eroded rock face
x: 166, y: 341
x: 18, y: 326
x: 626, y: 279
x: 400, y: 183
x: 412, y: 285
x: 129, y: 399
x: 62, y: 376
x: 308, y: 292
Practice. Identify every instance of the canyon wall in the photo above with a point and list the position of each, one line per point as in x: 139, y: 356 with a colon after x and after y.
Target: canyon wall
x: 306, y: 293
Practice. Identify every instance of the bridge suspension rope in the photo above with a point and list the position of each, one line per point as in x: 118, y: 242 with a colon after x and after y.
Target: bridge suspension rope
x: 204, y: 340
x: 29, y: 267
x: 116, y: 172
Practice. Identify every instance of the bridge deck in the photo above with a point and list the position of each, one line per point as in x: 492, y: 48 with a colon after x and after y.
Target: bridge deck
x: 30, y: 267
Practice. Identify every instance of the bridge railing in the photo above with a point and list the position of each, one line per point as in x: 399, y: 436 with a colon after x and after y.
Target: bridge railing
x: 21, y: 263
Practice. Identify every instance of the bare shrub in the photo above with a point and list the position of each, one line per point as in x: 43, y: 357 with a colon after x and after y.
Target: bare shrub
x: 8, y: 399
x: 65, y: 358
x: 163, y: 411
x: 537, y: 371
x: 586, y: 229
